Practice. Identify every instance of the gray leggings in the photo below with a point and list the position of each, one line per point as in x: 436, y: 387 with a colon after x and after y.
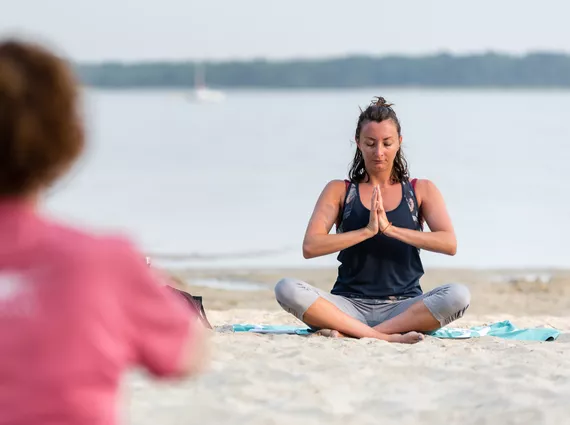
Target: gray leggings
x: 446, y: 303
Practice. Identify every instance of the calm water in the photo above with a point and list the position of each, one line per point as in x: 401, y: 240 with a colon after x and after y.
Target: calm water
x: 241, y: 177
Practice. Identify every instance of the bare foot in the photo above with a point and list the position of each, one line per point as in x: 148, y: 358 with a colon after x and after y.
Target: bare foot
x: 329, y: 333
x: 408, y: 338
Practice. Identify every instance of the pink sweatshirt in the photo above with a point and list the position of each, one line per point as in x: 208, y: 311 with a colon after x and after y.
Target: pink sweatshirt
x: 76, y: 311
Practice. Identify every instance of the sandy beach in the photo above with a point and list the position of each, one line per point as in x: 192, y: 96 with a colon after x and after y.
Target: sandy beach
x: 280, y: 379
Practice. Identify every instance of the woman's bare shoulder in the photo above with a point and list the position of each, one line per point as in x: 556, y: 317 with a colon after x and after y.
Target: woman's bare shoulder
x: 335, y: 189
x: 425, y: 188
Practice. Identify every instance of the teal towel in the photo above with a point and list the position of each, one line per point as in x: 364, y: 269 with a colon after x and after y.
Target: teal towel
x: 503, y: 329
x: 272, y: 329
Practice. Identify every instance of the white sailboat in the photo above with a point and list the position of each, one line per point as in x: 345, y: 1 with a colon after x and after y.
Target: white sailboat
x: 202, y: 93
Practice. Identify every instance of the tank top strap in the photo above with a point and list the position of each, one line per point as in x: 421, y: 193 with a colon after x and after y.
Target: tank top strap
x: 349, y: 199
x: 412, y: 202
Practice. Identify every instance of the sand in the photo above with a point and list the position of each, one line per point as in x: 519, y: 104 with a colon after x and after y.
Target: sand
x: 280, y: 379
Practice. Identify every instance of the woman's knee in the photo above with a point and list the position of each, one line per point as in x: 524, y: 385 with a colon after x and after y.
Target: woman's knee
x: 458, y: 297
x: 285, y: 291
x: 295, y: 296
x: 449, y: 302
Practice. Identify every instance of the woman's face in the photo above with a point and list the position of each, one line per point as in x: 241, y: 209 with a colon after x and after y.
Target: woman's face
x: 379, y: 143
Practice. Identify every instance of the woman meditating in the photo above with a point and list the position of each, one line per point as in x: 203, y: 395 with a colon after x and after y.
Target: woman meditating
x: 379, y: 215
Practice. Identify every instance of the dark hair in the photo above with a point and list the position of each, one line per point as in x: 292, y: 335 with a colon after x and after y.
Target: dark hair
x: 40, y: 129
x: 378, y: 110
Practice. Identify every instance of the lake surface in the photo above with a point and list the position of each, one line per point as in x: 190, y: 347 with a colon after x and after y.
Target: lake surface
x: 234, y: 183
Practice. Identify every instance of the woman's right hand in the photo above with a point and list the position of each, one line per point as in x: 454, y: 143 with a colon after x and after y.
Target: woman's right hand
x: 373, y: 224
x: 318, y: 239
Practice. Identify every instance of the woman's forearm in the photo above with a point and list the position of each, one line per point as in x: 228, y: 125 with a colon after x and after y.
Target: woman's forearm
x: 319, y: 245
x: 441, y: 242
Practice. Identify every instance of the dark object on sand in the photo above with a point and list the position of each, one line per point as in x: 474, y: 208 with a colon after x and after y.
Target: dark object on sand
x: 196, y: 304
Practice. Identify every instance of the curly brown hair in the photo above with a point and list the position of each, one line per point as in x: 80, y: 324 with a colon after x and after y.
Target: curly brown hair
x: 379, y: 110
x: 41, y: 133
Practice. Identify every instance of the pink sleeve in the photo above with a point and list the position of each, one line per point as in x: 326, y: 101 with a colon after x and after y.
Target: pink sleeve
x: 158, y: 322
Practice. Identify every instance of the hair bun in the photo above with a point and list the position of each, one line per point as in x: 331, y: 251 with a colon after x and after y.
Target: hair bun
x: 380, y: 101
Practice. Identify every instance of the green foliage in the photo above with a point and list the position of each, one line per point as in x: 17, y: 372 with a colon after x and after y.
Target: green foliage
x: 443, y: 70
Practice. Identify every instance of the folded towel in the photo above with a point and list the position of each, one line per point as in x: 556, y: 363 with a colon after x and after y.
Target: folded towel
x: 272, y: 329
x: 503, y: 329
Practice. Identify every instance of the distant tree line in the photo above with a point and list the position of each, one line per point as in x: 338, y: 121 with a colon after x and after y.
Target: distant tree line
x: 442, y: 70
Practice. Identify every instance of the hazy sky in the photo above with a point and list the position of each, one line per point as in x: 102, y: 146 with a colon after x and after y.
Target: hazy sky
x: 221, y: 29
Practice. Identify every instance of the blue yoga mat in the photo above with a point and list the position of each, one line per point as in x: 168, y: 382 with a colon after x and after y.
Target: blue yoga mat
x: 503, y: 329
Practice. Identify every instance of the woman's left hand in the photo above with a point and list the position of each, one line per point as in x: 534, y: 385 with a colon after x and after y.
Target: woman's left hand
x: 383, y: 222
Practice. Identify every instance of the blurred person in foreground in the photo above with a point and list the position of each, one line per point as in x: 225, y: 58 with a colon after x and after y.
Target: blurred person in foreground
x: 76, y: 310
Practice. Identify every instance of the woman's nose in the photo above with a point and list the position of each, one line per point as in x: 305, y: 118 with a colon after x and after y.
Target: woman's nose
x: 379, y: 152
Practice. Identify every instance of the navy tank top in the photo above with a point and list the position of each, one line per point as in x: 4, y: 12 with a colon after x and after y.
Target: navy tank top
x: 380, y: 267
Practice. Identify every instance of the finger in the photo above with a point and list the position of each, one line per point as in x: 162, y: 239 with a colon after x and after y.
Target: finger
x: 378, y: 198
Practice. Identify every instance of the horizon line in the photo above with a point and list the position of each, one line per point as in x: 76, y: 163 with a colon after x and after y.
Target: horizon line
x: 327, y: 58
